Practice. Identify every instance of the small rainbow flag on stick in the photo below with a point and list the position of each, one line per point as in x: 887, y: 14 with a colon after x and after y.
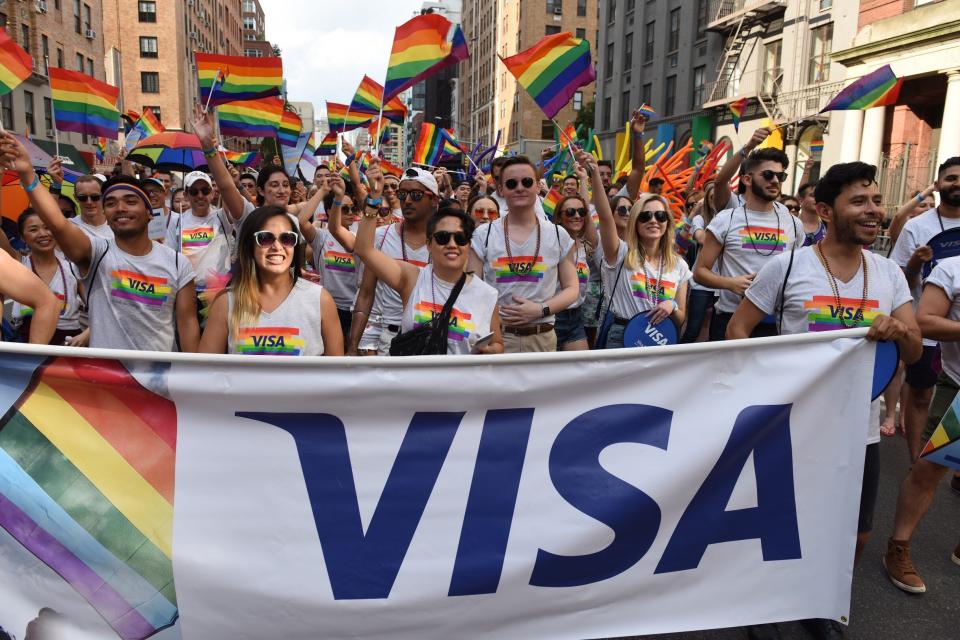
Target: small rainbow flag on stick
x: 327, y: 146
x: 251, y: 118
x: 16, y: 65
x: 736, y: 109
x: 552, y: 70
x: 647, y: 111
x: 876, y: 89
x: 242, y: 158
x: 82, y: 104
x: 433, y: 143
x: 101, y: 149
x: 289, y: 131
x: 421, y: 46
x: 341, y: 118
x: 551, y: 201
x: 145, y: 126
x: 233, y: 78
x: 368, y: 97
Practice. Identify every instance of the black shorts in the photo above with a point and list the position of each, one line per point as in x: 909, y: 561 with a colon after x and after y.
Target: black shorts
x: 871, y: 482
x: 920, y: 374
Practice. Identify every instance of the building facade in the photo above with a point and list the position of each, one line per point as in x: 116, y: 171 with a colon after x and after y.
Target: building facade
x: 57, y: 33
x: 659, y: 53
x: 255, y: 43
x: 491, y: 100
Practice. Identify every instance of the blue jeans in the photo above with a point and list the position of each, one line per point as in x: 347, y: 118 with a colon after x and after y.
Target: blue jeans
x: 615, y: 337
x: 697, y: 304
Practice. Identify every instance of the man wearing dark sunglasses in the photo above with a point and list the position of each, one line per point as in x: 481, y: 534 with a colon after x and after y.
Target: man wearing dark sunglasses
x: 496, y: 170
x: 91, y: 219
x: 530, y: 262
x: 738, y: 242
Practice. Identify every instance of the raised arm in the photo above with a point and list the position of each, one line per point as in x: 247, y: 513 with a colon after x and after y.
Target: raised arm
x: 638, y: 156
x: 903, y: 213
x: 721, y: 188
x: 230, y: 197
x: 608, y: 227
x: 334, y: 218
x: 305, y: 216
x: 19, y: 283
x: 72, y: 241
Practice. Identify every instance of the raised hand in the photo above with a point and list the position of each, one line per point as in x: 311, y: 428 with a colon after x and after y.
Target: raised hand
x: 758, y: 137
x: 55, y: 170
x: 14, y: 156
x: 375, y: 178
x: 202, y: 125
x: 638, y: 122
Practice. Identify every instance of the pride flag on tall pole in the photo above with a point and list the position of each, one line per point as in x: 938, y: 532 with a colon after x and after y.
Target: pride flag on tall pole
x: 432, y: 144
x: 421, y: 46
x: 226, y: 79
x: 736, y: 110
x: 877, y: 89
x: 369, y: 99
x: 251, y: 118
x: 83, y: 104
x: 342, y: 118
x: 552, y: 70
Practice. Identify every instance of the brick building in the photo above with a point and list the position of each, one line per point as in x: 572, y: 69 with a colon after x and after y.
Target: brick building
x: 255, y: 43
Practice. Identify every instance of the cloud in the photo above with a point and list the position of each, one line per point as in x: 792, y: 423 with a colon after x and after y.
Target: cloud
x: 328, y: 45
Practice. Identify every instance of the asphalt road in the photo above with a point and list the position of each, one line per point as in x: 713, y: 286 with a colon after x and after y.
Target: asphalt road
x: 879, y: 609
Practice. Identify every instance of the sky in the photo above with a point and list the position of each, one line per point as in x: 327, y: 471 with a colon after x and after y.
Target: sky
x: 328, y: 45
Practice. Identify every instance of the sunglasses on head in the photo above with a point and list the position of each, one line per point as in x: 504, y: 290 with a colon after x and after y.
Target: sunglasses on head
x: 288, y: 239
x: 580, y: 212
x: 769, y: 174
x: 646, y: 216
x: 623, y: 211
x: 92, y: 198
x: 416, y: 196
x: 512, y: 183
x: 196, y: 191
x: 443, y: 237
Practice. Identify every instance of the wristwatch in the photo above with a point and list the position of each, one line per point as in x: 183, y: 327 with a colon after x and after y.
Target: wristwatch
x: 545, y: 311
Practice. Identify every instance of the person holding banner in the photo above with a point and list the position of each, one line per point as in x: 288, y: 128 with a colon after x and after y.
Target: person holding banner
x: 268, y: 308
x: 27, y: 289
x: 140, y: 293
x: 912, y: 252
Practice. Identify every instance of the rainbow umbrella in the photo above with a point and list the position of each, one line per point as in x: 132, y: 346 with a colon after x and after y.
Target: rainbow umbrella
x: 170, y: 151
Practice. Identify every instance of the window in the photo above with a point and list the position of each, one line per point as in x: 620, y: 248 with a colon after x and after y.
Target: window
x: 820, y: 46
x: 554, y: 7
x: 608, y: 65
x: 674, y: 41
x: 28, y: 111
x: 3, y: 19
x: 631, y: 5
x: 581, y: 8
x: 48, y: 114
x: 148, y: 47
x: 25, y: 36
x: 76, y: 17
x: 79, y: 62
x: 625, y: 106
x: 649, y: 37
x: 147, y: 11
x: 828, y: 4
x: 6, y: 109
x: 149, y: 82
x: 699, y: 86
x: 156, y: 111
x: 60, y: 57
x: 253, y: 53
x: 249, y: 6
x: 250, y: 24
x: 701, y: 18
x: 772, y: 71
x: 627, y: 52
x: 87, y: 21
x: 45, y: 49
x: 546, y: 129
x: 578, y: 100
x: 552, y: 29
x: 611, y: 11
x: 646, y: 93
x: 581, y: 33
x: 670, y: 96
x: 606, y: 113
x: 90, y: 67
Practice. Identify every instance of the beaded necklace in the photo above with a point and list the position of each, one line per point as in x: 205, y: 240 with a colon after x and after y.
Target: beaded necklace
x: 520, y: 268
x: 836, y: 289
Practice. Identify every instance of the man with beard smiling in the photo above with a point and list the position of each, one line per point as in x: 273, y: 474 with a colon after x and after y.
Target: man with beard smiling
x: 911, y: 252
x: 138, y: 291
x: 742, y: 240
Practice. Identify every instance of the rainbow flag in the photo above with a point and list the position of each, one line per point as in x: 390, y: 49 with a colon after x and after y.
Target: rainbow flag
x: 876, y: 89
x: 944, y: 445
x: 570, y: 133
x: 816, y: 147
x: 432, y: 144
x: 251, y: 118
x: 289, y: 130
x: 342, y: 118
x: 82, y: 104
x: 233, y: 78
x: 242, y: 158
x: 551, y: 201
x: 146, y: 125
x: 101, y: 149
x: 736, y: 108
x: 552, y: 70
x: 368, y: 97
x: 647, y: 111
x: 292, y: 154
x: 327, y: 146
x: 87, y: 464
x: 16, y: 65
x: 422, y: 45
x: 389, y: 168
x: 384, y: 127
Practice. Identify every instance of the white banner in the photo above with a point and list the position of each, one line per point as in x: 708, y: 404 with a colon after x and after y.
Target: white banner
x: 600, y: 494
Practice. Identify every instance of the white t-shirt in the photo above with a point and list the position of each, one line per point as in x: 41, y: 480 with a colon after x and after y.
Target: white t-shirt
x: 636, y: 290
x: 946, y: 275
x: 160, y: 223
x: 207, y: 241
x: 337, y: 267
x: 511, y: 277
x: 809, y: 304
x: 747, y: 247
x: 101, y: 231
x: 696, y: 224
x: 916, y: 233
x: 469, y: 318
x: 386, y: 301
x: 582, y: 261
x: 292, y: 329
x: 63, y: 284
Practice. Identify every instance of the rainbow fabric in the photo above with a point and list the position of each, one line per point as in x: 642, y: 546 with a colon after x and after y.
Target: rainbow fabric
x: 504, y: 274
x: 87, y: 460
x: 137, y: 287
x: 327, y: 146
x: 944, y: 445
x: 269, y: 341
x: 251, y: 118
x: 289, y: 131
x: 736, y: 109
x: 388, y: 168
x: 144, y: 126
x: 384, y: 127
x: 341, y: 118
x: 242, y: 158
x: 100, y: 150
x: 82, y: 104
x: 339, y: 261
x: 233, y: 78
x: 647, y: 111
x: 16, y: 65
x: 816, y: 147
x: 570, y: 133
x: 763, y: 239
x: 823, y: 314
x: 433, y: 143
x: 423, y: 45
x: 461, y: 323
x: 876, y: 89
x: 368, y: 97
x: 552, y: 70
x: 551, y: 201
x: 640, y: 288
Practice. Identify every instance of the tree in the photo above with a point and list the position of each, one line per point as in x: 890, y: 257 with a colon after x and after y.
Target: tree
x: 276, y: 51
x: 585, y: 118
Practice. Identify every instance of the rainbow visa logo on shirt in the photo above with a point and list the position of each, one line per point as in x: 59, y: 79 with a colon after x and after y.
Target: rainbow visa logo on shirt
x: 339, y: 261
x: 767, y: 239
x: 505, y: 274
x: 461, y: 325
x: 583, y: 272
x: 269, y: 341
x: 196, y: 238
x: 140, y: 288
x: 824, y: 314
x: 645, y: 290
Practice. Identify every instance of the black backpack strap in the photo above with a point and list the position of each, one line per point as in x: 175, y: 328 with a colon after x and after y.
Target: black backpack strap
x: 443, y: 320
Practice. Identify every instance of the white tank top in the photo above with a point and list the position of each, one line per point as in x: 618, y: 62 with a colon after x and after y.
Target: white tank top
x: 63, y: 284
x: 387, y: 302
x: 469, y: 318
x: 292, y: 329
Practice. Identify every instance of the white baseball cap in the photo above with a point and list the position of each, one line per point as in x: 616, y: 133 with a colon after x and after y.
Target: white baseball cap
x: 424, y: 177
x: 195, y: 176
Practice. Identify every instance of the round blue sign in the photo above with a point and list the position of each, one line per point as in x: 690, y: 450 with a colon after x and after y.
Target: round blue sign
x: 885, y: 361
x: 640, y: 333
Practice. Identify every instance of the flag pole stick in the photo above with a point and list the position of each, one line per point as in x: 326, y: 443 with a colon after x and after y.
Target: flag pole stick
x: 213, y: 88
x: 380, y: 119
x: 563, y: 133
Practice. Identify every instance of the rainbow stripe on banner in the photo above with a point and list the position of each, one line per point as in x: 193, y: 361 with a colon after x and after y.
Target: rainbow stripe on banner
x: 16, y: 65
x: 82, y: 104
x: 341, y: 118
x: 233, y: 78
x: 737, y: 108
x: 552, y: 70
x: 289, y: 131
x: 87, y: 458
x: 251, y: 118
x: 432, y: 144
x: 368, y: 97
x: 877, y: 89
x: 327, y: 146
x: 422, y: 45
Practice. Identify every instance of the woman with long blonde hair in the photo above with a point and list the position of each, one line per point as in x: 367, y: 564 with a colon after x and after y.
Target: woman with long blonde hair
x: 643, y: 274
x: 267, y: 308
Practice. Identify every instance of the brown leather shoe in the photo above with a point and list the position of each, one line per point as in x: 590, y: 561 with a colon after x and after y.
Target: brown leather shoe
x: 900, y: 569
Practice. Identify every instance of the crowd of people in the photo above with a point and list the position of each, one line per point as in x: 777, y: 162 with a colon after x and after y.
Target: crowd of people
x: 258, y: 263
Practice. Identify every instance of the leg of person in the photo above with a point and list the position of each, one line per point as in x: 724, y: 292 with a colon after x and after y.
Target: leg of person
x: 916, y: 494
x: 541, y: 342
x: 511, y: 342
x: 891, y: 395
x: 697, y: 303
x: 387, y: 334
x: 868, y: 497
x: 571, y: 335
x: 346, y: 319
x: 718, y: 325
x: 615, y: 336
x: 920, y: 380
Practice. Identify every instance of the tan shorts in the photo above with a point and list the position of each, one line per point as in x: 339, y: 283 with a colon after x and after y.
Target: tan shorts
x: 537, y: 343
